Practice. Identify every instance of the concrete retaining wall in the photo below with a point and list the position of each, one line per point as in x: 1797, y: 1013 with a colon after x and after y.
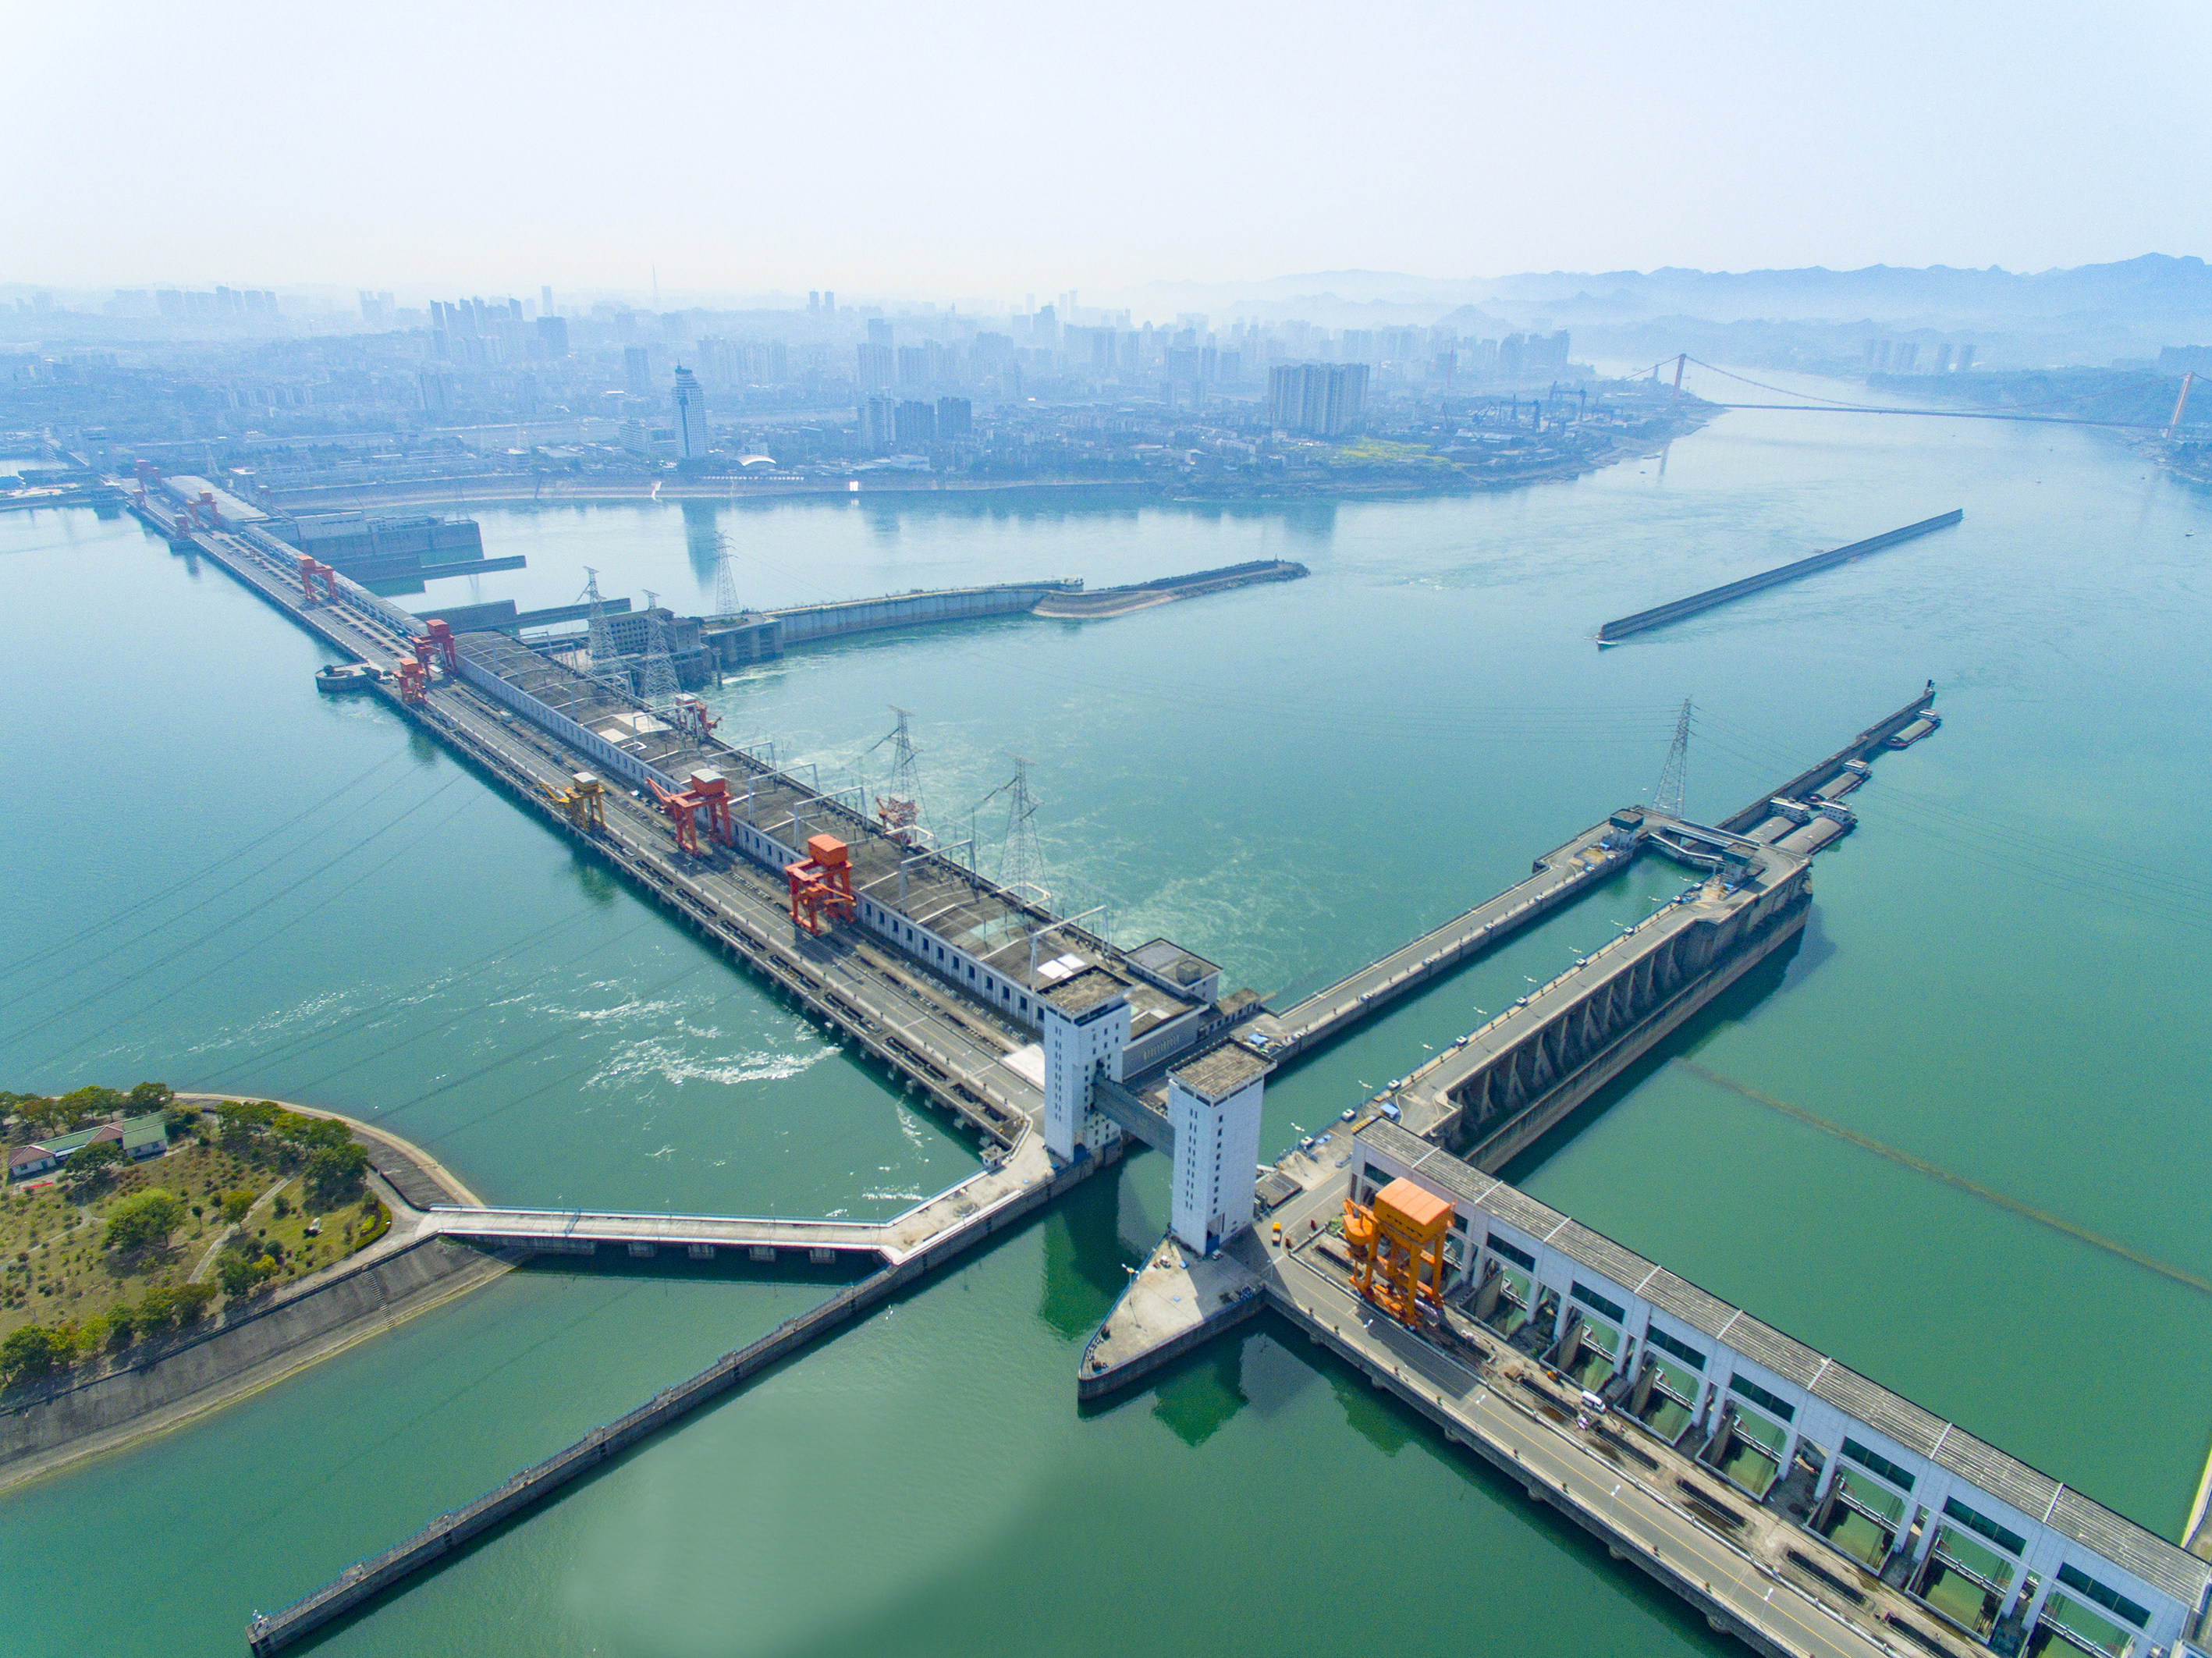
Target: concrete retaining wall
x: 207, y: 1362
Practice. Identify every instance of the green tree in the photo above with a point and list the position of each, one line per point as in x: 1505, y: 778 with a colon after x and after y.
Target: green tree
x: 26, y: 1353
x: 166, y: 1307
x: 308, y: 1133
x: 41, y: 1115
x: 236, y: 1205
x: 26, y: 1108
x: 144, y: 1219
x: 244, y: 1122
x: 88, y: 1167
x: 235, y: 1274
x: 91, y: 1101
x: 149, y: 1096
x: 335, y: 1174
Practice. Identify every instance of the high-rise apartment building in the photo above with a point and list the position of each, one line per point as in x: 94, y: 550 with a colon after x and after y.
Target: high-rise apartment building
x: 954, y: 419
x: 637, y: 371
x: 553, y: 335
x: 876, y: 424
x: 690, y: 417
x: 913, y: 424
x: 878, y: 365
x: 1319, y: 399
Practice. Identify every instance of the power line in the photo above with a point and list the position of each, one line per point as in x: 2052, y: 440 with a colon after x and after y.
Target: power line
x: 306, y: 813
x: 218, y: 931
x: 139, y: 937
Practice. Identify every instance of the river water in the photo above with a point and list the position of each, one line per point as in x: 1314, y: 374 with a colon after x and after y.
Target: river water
x: 219, y: 878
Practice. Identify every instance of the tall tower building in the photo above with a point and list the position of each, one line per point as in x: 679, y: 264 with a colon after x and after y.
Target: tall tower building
x: 1087, y: 1030
x: 637, y: 371
x: 690, y: 417
x: 1213, y: 1106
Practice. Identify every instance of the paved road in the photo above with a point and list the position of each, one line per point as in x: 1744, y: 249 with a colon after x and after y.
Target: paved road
x: 1539, y: 1453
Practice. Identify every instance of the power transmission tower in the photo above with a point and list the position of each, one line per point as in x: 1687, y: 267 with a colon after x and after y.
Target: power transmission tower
x: 606, y: 663
x: 899, y: 807
x: 1667, y: 799
x: 725, y: 579
x: 660, y: 686
x: 1021, y: 866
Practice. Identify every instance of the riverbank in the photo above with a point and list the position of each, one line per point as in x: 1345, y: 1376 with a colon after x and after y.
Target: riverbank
x: 1369, y: 479
x: 155, y: 1387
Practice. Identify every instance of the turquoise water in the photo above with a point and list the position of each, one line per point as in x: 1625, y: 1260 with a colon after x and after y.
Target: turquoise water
x: 2001, y: 977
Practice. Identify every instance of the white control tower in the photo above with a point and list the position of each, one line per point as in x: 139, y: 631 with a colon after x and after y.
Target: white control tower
x: 1086, y: 1028
x: 1213, y: 1106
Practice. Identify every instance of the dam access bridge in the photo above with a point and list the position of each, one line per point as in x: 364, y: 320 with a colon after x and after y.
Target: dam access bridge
x: 1056, y: 1048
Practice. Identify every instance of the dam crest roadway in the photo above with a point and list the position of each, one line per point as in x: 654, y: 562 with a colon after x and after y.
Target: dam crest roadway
x: 1057, y: 1047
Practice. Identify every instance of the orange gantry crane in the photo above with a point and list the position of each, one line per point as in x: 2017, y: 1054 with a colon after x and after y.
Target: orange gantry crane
x: 1397, y: 1247
x: 822, y: 883
x: 439, y: 643
x: 312, y: 570
x: 708, y: 792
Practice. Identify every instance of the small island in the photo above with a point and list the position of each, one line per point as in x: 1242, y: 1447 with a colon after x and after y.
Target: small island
x: 130, y: 1217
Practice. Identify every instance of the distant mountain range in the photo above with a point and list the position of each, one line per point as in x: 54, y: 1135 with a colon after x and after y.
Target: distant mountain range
x: 2156, y: 289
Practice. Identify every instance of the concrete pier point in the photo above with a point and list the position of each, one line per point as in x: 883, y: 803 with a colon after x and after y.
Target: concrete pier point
x: 1175, y: 1302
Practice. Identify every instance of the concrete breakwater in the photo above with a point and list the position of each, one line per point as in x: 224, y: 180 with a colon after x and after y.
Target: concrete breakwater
x: 1621, y: 627
x: 1165, y: 590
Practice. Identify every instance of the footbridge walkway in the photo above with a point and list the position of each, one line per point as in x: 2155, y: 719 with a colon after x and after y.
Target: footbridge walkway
x: 934, y: 1225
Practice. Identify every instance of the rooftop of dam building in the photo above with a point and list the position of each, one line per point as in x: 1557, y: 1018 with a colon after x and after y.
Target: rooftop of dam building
x: 1220, y: 1072
x: 1003, y: 949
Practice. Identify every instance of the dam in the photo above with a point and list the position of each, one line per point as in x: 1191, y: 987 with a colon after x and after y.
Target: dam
x: 1029, y: 1029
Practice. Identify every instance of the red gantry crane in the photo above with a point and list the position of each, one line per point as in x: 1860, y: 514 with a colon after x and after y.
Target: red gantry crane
x: 822, y: 883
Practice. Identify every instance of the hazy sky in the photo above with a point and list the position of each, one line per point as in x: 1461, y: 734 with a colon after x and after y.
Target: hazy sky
x: 991, y: 149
